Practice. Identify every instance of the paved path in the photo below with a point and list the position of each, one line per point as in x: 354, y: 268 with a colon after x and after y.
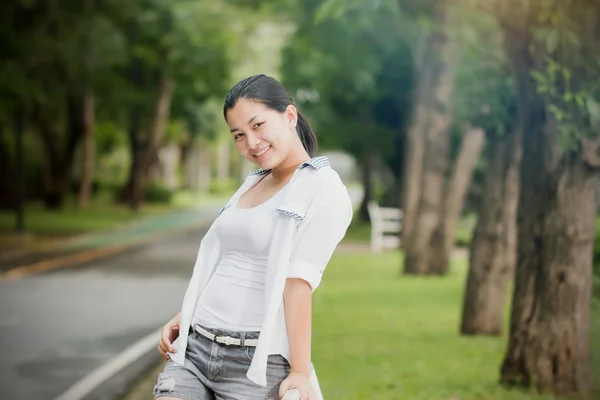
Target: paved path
x: 57, y: 327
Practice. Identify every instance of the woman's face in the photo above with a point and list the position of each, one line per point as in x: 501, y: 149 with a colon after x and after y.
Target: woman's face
x: 263, y: 136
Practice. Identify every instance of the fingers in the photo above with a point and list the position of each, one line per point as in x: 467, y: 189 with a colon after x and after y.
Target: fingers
x: 283, y: 388
x: 167, y: 337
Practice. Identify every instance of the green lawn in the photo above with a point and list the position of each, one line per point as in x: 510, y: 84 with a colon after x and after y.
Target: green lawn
x: 378, y: 335
x: 99, y: 215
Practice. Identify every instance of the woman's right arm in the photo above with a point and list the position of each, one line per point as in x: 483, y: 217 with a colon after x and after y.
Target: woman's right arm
x: 170, y: 332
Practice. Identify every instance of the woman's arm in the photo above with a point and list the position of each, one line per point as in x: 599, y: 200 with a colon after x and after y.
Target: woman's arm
x: 297, y: 297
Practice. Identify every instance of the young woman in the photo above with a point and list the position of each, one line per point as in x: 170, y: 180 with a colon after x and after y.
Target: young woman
x: 244, y: 330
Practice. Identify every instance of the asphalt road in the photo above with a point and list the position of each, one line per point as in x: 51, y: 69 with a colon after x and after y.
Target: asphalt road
x: 56, y: 328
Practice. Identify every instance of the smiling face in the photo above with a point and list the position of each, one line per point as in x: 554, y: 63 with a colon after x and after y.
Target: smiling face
x: 262, y: 135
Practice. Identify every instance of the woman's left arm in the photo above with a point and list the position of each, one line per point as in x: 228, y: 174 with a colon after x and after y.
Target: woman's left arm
x: 314, y: 243
x: 297, y: 298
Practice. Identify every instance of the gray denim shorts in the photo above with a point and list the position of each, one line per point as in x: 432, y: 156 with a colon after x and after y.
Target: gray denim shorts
x: 215, y: 371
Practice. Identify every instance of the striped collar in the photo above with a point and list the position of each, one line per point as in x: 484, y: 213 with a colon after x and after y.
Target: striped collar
x: 316, y: 163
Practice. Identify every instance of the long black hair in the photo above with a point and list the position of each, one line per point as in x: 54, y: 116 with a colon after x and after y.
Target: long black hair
x: 274, y: 95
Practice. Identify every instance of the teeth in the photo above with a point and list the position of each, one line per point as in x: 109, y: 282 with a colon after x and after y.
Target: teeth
x: 262, y: 152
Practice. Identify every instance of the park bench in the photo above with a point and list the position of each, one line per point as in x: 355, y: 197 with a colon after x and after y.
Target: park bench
x: 386, y: 224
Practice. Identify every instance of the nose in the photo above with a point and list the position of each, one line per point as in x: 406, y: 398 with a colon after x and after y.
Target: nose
x: 252, y: 140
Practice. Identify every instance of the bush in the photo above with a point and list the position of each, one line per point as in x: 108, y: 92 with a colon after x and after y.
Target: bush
x: 227, y: 187
x: 155, y: 193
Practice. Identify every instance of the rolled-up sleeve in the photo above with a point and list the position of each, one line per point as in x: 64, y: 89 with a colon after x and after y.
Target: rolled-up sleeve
x: 318, y: 235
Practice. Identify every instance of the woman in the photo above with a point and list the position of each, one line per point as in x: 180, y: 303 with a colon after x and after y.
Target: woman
x: 245, y: 322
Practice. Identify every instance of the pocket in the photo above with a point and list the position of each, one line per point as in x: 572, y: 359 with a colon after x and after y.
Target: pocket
x: 249, y: 353
x: 278, y: 362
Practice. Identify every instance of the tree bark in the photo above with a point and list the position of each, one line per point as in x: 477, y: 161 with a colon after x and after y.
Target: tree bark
x: 87, y: 172
x: 549, y: 344
x: 435, y: 158
x: 144, y: 156
x: 492, y: 254
x: 442, y: 242
x: 366, y: 172
x: 7, y: 162
x: 426, y: 73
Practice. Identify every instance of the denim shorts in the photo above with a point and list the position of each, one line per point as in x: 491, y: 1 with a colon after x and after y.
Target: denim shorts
x: 215, y: 371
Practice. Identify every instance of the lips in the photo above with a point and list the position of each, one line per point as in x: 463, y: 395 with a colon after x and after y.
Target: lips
x: 260, y: 154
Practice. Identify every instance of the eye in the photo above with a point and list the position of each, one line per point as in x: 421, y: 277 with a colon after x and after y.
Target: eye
x: 258, y: 125
x: 237, y: 136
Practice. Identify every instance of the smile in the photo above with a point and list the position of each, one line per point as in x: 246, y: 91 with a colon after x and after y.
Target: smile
x: 262, y: 152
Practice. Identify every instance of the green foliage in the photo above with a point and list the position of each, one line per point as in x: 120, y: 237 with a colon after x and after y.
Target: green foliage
x: 220, y: 187
x: 158, y: 194
x: 355, y: 85
x: 569, y: 77
x: 484, y: 93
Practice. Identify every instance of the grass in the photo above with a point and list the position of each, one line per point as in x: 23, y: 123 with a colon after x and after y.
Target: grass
x: 45, y: 226
x: 378, y: 335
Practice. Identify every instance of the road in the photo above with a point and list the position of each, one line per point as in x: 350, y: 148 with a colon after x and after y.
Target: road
x: 57, y: 327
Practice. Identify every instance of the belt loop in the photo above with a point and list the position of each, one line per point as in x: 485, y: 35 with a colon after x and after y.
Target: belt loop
x: 243, y: 340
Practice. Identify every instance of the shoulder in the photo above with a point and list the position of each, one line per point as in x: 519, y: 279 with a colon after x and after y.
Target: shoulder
x: 324, y: 180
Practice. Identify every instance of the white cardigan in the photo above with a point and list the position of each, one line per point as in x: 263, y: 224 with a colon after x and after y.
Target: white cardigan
x: 314, y: 214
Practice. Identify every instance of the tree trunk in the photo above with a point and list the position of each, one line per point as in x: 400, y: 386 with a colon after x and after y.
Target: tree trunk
x: 426, y: 73
x: 435, y: 159
x: 549, y: 344
x: 149, y: 155
x: 58, y: 163
x: 492, y: 254
x: 131, y: 190
x: 224, y: 160
x: 366, y: 173
x: 87, y: 172
x: 7, y: 175
x: 443, y: 238
x: 144, y: 156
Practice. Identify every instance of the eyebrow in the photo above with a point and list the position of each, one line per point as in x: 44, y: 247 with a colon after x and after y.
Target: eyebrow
x: 247, y: 123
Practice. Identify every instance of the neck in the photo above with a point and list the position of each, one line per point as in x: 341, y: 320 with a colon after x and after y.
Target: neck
x: 288, y: 166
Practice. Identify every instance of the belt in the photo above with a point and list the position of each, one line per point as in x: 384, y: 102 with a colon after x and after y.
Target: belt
x: 226, y: 340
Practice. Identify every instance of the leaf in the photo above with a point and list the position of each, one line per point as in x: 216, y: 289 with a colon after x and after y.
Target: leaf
x: 552, y: 41
x: 538, y: 76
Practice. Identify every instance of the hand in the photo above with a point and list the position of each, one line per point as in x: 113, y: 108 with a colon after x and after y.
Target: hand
x: 169, y: 333
x: 299, y: 381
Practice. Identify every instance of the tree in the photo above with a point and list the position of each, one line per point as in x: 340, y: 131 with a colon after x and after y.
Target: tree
x: 549, y: 47
x: 432, y: 203
x: 486, y: 98
x: 362, y: 109
x: 167, y: 45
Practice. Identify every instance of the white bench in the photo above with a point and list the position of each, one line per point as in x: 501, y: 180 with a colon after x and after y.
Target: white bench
x: 386, y: 224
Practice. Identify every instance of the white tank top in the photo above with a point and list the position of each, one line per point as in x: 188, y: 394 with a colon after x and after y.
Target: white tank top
x: 234, y: 298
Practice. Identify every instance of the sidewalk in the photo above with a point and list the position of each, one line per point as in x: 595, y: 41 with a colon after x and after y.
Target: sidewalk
x: 98, y: 244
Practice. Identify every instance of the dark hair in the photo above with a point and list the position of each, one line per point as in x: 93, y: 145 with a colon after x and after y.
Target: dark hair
x: 274, y: 95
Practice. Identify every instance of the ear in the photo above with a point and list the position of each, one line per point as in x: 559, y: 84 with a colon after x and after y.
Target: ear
x: 291, y: 116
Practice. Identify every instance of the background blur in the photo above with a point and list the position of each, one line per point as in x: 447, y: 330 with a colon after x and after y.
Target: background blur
x: 474, y: 125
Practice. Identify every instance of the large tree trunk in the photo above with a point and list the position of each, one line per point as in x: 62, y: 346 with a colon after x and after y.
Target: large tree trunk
x: 435, y: 157
x: 442, y: 242
x: 87, y: 172
x: 144, y: 156
x: 549, y: 344
x: 493, y: 248
x: 426, y: 74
